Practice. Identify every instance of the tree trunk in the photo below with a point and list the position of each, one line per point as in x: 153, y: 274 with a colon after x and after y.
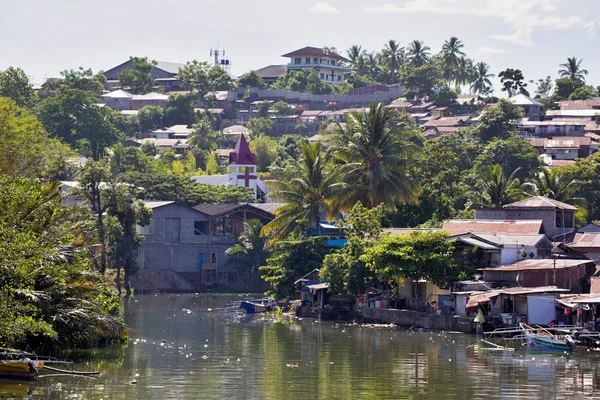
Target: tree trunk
x: 119, y: 291
x: 126, y: 283
x: 102, y: 239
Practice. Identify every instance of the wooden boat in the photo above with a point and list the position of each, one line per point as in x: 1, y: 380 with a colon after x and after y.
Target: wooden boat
x: 542, y: 339
x: 20, y: 369
x: 258, y: 306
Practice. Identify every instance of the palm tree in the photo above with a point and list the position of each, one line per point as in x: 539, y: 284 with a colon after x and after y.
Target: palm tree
x: 464, y: 72
x: 250, y: 249
x: 497, y: 189
x: 451, y: 54
x: 309, y: 188
x: 553, y: 183
x: 355, y: 52
x: 392, y: 55
x: 374, y: 153
x: 572, y: 70
x: 481, y: 78
x: 203, y: 136
x: 418, y: 53
x: 373, y: 65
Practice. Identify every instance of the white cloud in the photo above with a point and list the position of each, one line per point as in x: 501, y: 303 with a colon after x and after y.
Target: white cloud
x: 491, y: 50
x: 324, y: 8
x: 522, y: 17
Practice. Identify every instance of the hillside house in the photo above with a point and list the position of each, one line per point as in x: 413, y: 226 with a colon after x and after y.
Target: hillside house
x: 329, y: 65
x: 532, y: 109
x: 565, y: 148
x: 164, y: 74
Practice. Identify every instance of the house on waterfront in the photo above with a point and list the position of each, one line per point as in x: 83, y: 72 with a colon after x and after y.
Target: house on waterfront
x: 240, y: 172
x: 330, y: 65
x: 193, y: 240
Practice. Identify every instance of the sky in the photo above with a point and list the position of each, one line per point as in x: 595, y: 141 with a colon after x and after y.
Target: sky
x: 45, y: 37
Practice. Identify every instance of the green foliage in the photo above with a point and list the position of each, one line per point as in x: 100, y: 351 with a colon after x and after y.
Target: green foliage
x: 587, y: 172
x: 416, y: 255
x: 194, y: 76
x: 445, y: 96
x: 150, y: 117
x: 563, y: 88
x: 50, y: 296
x: 282, y: 108
x: 15, y: 85
x: 180, y: 109
x: 84, y: 79
x: 555, y: 184
x: 572, y: 70
x: 73, y: 116
x: 290, y: 260
x: 583, y: 93
x: 424, y: 80
x: 513, y: 82
x: 262, y: 109
x: 26, y: 149
x: 496, y: 189
x: 512, y: 153
x: 259, y: 126
x: 305, y: 80
x: 265, y: 150
x: 499, y: 121
x: 138, y: 79
x: 251, y: 79
x: 344, y: 270
x: 250, y: 251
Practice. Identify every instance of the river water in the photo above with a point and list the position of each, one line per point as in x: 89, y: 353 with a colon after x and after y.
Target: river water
x: 183, y: 347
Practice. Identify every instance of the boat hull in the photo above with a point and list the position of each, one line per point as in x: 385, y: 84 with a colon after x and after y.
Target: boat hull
x: 19, y: 370
x: 547, y: 343
x: 253, y: 308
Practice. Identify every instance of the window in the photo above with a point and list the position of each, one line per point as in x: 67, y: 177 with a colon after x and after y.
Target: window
x: 315, y: 60
x: 543, y: 130
x: 332, y: 62
x: 322, y: 76
x: 199, y: 228
x: 297, y: 61
x: 231, y: 169
x: 249, y: 169
x: 526, y: 110
x: 213, y: 258
x: 307, y: 60
x: 339, y: 78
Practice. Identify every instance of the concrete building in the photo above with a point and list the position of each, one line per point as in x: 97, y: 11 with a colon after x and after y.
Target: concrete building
x: 558, y: 218
x: 329, y: 65
x: 546, y: 129
x: 565, y: 148
x: 164, y: 74
x: 532, y: 109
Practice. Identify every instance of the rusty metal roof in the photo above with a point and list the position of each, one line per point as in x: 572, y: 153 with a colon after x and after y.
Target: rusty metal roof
x: 527, y: 265
x: 541, y: 202
x: 217, y: 209
x: 522, y: 227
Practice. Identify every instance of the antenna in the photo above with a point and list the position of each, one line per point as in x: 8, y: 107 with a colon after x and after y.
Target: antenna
x: 219, y: 59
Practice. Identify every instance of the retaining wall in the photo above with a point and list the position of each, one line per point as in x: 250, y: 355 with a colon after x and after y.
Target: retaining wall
x: 419, y: 319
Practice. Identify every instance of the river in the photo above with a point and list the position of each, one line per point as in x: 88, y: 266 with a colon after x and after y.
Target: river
x: 183, y: 347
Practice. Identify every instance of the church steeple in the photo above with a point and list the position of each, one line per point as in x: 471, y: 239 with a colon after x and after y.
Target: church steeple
x: 242, y: 154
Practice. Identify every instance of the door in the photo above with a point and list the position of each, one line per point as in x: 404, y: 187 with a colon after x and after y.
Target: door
x: 540, y: 310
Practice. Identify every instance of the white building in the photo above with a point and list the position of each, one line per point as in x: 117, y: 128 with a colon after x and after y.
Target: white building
x: 329, y: 65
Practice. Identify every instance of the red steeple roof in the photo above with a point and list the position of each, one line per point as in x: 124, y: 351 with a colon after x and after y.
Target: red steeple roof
x: 242, y: 154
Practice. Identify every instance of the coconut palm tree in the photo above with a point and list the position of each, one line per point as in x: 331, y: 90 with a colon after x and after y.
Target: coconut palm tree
x: 464, y: 72
x: 354, y: 53
x: 497, y: 189
x: 250, y: 249
x: 374, y: 153
x: 481, y: 78
x: 392, y: 55
x: 553, y: 183
x: 451, y: 54
x: 373, y: 65
x: 418, y: 53
x: 308, y: 187
x: 572, y: 70
x: 203, y: 136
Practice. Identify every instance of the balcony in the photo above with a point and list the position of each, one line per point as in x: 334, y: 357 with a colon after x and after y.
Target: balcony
x: 320, y: 66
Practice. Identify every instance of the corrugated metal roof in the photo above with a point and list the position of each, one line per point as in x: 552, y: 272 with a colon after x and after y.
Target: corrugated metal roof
x: 267, y: 207
x: 217, y: 209
x: 541, y: 202
x: 523, y: 100
x: 459, y: 120
x: 478, y: 243
x: 586, y: 240
x: 523, y: 227
x: 503, y: 239
x: 273, y: 71
x: 156, y: 204
x: 539, y: 264
x: 398, y: 231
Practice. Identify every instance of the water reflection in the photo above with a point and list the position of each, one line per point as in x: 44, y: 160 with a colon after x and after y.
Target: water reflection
x: 180, y: 349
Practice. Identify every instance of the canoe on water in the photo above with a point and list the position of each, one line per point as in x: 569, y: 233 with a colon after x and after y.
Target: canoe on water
x: 20, y: 369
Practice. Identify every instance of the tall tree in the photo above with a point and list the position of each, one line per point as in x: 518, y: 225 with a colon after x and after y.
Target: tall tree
x: 496, y: 189
x: 392, y: 55
x: 513, y: 82
x: 418, y: 53
x: 572, y: 70
x: 309, y: 188
x: 84, y: 79
x: 250, y: 250
x: 451, y: 54
x: 555, y: 184
x: 355, y: 53
x: 481, y: 78
x: 465, y: 72
x: 375, y: 154
x: 15, y: 85
x: 251, y: 79
x: 138, y: 79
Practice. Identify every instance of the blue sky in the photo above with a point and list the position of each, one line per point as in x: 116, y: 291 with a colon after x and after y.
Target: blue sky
x: 46, y: 36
